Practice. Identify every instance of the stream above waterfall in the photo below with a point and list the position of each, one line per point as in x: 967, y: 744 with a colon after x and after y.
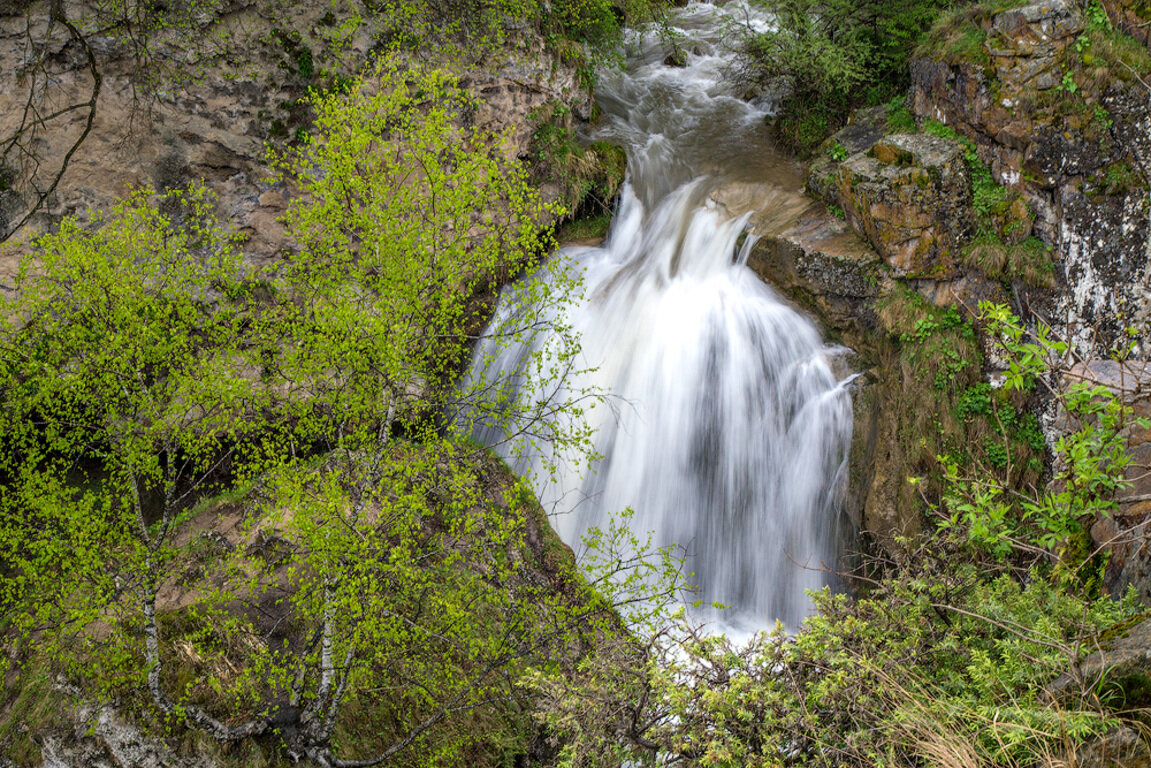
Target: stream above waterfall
x: 724, y: 427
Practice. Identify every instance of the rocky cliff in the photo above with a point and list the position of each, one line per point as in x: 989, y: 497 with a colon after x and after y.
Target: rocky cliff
x: 204, y: 100
x: 1017, y: 171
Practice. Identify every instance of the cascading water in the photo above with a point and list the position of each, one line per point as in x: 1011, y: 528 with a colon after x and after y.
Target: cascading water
x: 725, y: 430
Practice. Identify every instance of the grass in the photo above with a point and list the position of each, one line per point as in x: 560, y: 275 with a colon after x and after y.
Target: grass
x: 589, y: 176
x: 1029, y: 261
x: 36, y: 706
x: 959, y: 35
x: 899, y: 117
x: 584, y: 228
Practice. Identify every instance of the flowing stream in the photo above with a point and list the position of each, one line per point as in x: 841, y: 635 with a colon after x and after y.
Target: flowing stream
x: 725, y: 430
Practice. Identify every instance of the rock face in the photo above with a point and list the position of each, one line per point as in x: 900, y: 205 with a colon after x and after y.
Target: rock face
x: 216, y: 123
x: 1081, y: 161
x: 1025, y: 159
x: 825, y: 267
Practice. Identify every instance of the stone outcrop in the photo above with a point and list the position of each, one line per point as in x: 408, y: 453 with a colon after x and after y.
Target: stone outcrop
x: 910, y: 196
x: 1081, y: 161
x: 1070, y: 170
x: 825, y: 267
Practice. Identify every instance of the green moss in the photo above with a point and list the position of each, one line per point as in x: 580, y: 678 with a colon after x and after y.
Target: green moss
x: 1120, y: 178
x: 584, y: 228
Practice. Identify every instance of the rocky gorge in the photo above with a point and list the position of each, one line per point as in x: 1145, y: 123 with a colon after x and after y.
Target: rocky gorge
x: 1016, y: 170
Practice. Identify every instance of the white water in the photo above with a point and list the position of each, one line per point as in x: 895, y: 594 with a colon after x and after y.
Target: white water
x: 726, y: 431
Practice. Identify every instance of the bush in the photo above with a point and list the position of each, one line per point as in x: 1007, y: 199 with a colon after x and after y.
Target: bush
x: 832, y: 55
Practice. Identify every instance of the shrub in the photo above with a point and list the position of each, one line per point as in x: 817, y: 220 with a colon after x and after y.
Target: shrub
x: 832, y: 55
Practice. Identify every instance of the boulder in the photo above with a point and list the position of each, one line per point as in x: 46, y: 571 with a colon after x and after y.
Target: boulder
x: 910, y: 196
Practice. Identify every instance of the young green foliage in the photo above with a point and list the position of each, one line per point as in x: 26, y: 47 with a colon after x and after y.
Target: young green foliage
x: 126, y: 392
x: 1090, y: 458
x: 142, y: 368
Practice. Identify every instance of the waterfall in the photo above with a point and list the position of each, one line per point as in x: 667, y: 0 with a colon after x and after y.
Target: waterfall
x: 726, y: 430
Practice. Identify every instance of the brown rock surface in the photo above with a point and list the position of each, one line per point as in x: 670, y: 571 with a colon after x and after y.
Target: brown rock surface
x: 911, y: 197
x: 216, y: 125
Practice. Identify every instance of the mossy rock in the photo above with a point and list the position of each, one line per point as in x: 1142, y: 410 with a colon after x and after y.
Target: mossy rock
x: 911, y: 198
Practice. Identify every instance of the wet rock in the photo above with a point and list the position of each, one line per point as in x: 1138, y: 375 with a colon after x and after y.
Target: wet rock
x: 911, y: 198
x: 820, y: 263
x: 823, y: 265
